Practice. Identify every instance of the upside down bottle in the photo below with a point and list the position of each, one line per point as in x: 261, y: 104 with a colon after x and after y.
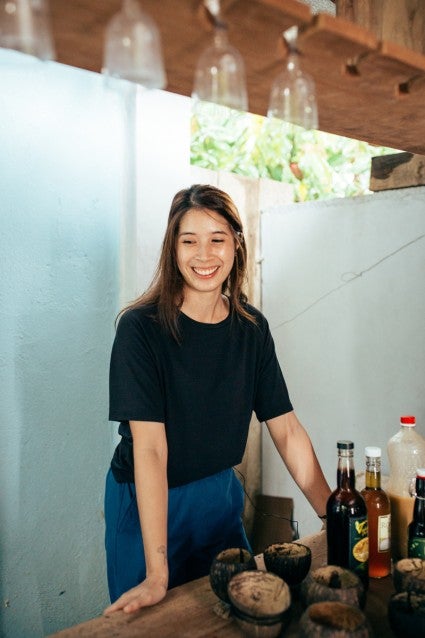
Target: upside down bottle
x: 406, y: 453
x: 347, y: 531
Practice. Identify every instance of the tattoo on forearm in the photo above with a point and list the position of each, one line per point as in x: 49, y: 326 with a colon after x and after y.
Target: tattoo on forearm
x: 163, y: 550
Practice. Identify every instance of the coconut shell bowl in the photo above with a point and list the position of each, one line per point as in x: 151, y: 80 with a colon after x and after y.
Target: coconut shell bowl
x: 289, y: 561
x: 260, y: 603
x: 225, y: 565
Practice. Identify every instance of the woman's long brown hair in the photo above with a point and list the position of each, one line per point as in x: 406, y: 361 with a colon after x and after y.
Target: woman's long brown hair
x: 166, y: 288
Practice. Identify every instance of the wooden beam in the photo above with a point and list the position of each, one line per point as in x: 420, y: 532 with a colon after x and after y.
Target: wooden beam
x: 400, y: 170
x: 400, y: 21
x: 367, y: 89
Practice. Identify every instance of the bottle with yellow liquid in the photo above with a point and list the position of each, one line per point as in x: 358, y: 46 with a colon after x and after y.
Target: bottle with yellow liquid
x: 406, y: 453
x: 378, y: 516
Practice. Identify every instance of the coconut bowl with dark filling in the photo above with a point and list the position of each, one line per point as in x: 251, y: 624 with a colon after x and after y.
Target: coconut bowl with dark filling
x: 409, y: 574
x: 332, y: 582
x: 332, y: 619
x: 406, y: 614
x: 290, y: 561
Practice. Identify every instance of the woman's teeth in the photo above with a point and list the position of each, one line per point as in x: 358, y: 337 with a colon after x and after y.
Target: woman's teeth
x: 205, y: 271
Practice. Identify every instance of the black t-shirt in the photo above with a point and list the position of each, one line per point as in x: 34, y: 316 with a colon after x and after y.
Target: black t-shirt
x: 204, y: 389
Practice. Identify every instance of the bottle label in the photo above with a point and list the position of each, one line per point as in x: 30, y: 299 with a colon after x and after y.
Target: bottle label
x: 416, y: 548
x: 384, y: 532
x: 359, y: 544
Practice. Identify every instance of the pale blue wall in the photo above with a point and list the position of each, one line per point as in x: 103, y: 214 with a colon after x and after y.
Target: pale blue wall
x: 61, y: 193
x: 87, y: 173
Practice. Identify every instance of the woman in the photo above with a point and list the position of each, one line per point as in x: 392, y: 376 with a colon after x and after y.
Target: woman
x: 190, y: 363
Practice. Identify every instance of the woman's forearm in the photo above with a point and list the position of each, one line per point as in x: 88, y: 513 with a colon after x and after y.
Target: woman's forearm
x: 150, y: 465
x: 152, y: 492
x: 296, y: 450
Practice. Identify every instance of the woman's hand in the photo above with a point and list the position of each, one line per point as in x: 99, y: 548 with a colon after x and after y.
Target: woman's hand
x: 148, y: 593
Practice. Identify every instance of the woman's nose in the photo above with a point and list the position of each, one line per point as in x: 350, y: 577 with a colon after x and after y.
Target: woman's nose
x: 204, y: 250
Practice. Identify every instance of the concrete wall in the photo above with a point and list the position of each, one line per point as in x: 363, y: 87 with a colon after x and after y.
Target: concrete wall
x: 81, y: 164
x: 343, y: 288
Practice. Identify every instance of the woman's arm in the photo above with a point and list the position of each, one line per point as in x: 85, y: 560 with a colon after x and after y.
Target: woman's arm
x: 296, y: 450
x: 150, y: 472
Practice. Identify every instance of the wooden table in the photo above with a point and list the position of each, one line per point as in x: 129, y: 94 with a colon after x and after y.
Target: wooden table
x: 190, y: 611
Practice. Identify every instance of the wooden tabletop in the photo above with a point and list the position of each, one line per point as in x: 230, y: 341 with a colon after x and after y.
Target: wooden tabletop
x: 193, y: 611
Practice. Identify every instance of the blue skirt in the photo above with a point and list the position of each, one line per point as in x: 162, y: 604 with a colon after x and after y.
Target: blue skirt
x: 204, y: 517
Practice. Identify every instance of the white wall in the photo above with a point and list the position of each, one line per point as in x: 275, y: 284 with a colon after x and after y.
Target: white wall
x: 343, y: 288
x: 82, y: 165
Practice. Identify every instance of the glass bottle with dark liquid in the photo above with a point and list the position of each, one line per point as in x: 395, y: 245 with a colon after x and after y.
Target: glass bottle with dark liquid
x: 347, y: 530
x: 416, y: 530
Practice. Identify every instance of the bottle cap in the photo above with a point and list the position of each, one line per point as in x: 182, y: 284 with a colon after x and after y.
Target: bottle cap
x: 420, y: 472
x: 372, y: 451
x: 407, y: 420
x: 345, y: 445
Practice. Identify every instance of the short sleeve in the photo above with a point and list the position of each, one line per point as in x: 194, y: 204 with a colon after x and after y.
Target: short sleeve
x: 135, y: 389
x: 272, y: 397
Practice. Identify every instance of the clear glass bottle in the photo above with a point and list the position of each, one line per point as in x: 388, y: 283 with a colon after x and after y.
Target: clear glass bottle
x: 378, y: 516
x: 406, y: 452
x: 416, y: 531
x: 346, y: 529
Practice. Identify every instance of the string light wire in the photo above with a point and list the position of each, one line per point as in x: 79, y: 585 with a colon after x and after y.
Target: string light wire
x: 293, y: 522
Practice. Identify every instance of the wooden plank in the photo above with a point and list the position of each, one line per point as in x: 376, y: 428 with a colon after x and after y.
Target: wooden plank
x: 296, y: 13
x: 341, y: 44
x: 400, y: 21
x: 399, y: 170
x: 335, y: 39
x: 390, y: 67
x: 193, y: 611
x: 357, y: 80
x: 186, y: 611
x: 366, y: 97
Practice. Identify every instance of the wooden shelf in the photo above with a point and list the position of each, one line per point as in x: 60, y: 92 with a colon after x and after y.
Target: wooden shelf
x: 367, y: 89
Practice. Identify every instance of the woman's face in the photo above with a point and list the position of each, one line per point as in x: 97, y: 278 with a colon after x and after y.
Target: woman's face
x: 205, y: 250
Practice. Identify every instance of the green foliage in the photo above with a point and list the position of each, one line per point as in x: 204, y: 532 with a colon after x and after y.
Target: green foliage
x: 318, y: 165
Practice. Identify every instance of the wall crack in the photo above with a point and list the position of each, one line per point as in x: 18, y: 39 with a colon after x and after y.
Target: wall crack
x: 348, y: 278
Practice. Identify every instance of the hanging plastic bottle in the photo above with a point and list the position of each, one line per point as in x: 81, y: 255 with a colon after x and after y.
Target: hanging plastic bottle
x: 406, y: 453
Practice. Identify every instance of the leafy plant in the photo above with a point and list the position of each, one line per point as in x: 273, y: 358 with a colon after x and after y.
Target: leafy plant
x: 318, y: 165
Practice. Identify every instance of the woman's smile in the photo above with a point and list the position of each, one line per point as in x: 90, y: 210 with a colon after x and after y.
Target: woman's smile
x: 206, y: 272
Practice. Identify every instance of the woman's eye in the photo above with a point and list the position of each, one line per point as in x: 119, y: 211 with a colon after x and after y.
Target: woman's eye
x: 188, y: 241
x: 218, y: 241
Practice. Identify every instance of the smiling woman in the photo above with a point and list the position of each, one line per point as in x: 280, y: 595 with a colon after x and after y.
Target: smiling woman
x: 191, y: 362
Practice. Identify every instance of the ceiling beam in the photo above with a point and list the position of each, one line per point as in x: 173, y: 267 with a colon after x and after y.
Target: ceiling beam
x: 366, y: 89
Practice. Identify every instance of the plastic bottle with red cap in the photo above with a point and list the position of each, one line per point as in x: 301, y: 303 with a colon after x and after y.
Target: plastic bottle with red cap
x: 406, y: 453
